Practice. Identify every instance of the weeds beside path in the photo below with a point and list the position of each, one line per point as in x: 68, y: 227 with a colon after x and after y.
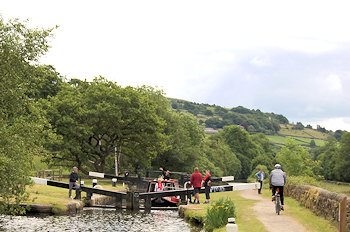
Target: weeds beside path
x: 292, y: 219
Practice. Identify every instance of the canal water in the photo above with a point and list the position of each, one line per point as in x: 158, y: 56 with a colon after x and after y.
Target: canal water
x: 99, y: 220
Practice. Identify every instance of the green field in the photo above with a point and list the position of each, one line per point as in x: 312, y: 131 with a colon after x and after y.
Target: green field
x: 286, y: 130
x: 281, y: 140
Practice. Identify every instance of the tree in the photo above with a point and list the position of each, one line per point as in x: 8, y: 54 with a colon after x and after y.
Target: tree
x: 338, y: 134
x: 100, y: 119
x: 327, y: 158
x: 242, y: 145
x: 46, y: 82
x: 298, y: 126
x: 342, y: 159
x: 184, y: 142
x: 265, y: 156
x: 219, y: 157
x: 295, y: 159
x: 23, y: 129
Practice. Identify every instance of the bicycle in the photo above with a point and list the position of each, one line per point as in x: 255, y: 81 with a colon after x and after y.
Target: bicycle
x: 277, y: 199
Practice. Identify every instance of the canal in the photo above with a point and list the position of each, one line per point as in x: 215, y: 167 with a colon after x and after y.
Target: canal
x: 93, y: 219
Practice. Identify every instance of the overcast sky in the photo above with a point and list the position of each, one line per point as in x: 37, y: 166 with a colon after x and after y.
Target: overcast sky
x: 286, y: 57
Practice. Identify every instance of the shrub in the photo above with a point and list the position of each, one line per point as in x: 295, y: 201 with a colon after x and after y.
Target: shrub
x: 302, y: 180
x: 218, y: 213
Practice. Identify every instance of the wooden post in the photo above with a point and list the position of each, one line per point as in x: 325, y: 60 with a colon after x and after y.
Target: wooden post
x: 189, y: 194
x: 148, y: 204
x: 136, y: 201
x: 129, y: 200
x: 183, y: 199
x: 118, y: 202
x: 88, y: 196
x: 342, y: 215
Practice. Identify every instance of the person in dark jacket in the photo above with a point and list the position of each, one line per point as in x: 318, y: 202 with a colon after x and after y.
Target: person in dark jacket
x: 207, y: 185
x: 165, y: 173
x: 73, y: 183
x: 196, y: 182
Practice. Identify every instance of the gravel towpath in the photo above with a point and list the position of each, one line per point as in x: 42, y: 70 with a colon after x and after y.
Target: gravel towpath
x: 264, y: 211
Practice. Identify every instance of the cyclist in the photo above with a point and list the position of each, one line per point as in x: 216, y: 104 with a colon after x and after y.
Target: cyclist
x: 277, y: 180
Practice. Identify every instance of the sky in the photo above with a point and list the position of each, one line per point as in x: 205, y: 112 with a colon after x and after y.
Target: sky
x: 287, y: 57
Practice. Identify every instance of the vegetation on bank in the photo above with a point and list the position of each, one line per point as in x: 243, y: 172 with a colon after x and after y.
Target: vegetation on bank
x: 245, y: 218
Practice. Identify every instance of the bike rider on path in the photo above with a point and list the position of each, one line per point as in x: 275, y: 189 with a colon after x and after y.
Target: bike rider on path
x: 277, y: 180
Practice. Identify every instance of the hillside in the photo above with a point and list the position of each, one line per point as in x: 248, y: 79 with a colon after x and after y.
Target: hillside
x: 303, y: 136
x: 275, y: 126
x: 213, y: 116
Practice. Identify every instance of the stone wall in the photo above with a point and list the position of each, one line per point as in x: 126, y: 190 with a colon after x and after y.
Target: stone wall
x: 319, y: 201
x: 100, y: 200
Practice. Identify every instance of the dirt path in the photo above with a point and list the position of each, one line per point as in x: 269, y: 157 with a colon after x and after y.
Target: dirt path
x: 264, y: 211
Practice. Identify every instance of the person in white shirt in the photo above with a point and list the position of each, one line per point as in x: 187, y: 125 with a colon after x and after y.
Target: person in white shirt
x: 277, y: 181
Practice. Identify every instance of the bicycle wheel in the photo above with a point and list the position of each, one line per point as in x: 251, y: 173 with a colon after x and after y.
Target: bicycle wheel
x: 278, y: 205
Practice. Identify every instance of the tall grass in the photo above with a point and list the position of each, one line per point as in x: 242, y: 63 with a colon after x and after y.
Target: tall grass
x: 218, y: 213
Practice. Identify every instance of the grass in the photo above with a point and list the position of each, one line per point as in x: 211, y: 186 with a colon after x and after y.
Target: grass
x: 245, y: 218
x: 276, y: 139
x: 42, y: 194
x: 305, y: 217
x: 306, y: 132
x: 338, y: 188
x: 58, y: 197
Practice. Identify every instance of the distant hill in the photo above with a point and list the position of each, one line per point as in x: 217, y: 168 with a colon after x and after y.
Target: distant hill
x: 275, y: 126
x: 216, y: 117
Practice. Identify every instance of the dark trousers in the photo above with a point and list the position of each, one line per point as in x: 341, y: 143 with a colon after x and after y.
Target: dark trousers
x: 274, y: 188
x: 76, y: 187
x: 207, y: 192
x: 261, y: 183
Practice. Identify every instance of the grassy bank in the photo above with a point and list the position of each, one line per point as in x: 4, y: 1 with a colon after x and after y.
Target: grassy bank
x: 336, y: 187
x: 245, y: 219
x: 58, y: 197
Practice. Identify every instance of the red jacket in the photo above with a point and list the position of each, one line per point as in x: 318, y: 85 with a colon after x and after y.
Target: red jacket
x: 196, y: 179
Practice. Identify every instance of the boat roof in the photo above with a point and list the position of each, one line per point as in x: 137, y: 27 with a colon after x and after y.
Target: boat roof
x: 165, y: 181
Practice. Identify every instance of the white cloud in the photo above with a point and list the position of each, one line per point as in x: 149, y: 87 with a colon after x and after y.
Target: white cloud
x: 261, y: 61
x: 341, y: 123
x: 334, y: 83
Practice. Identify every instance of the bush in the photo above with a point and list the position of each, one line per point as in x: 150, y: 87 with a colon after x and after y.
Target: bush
x: 302, y: 180
x: 218, y: 213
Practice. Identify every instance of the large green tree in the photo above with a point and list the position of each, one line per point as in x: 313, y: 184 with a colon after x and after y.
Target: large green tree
x: 243, y: 146
x: 295, y: 159
x: 23, y: 130
x: 326, y: 155
x: 342, y: 159
x: 184, y: 142
x: 219, y: 158
x: 99, y: 120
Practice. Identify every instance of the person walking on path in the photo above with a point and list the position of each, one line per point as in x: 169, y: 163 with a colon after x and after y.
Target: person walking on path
x: 260, y: 175
x: 196, y: 183
x: 207, y: 185
x: 277, y: 181
x: 73, y: 183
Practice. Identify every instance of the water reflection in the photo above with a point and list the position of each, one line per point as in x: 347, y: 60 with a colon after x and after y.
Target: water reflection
x: 99, y: 220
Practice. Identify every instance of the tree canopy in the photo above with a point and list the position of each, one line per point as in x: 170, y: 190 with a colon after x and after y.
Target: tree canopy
x: 23, y: 129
